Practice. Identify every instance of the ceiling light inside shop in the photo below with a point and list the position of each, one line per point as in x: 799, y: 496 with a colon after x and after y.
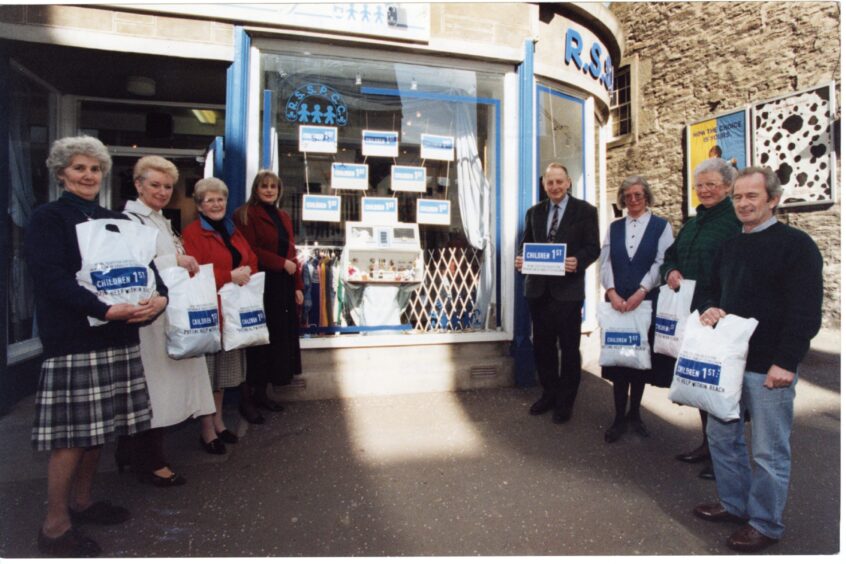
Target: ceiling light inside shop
x: 414, y: 84
x: 141, y: 86
x: 208, y: 117
x: 358, y: 79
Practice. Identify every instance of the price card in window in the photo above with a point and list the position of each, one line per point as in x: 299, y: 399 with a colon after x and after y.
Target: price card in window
x: 546, y: 259
x: 318, y: 139
x: 347, y: 176
x: 321, y: 208
x: 379, y: 143
x: 379, y: 210
x: 437, y: 147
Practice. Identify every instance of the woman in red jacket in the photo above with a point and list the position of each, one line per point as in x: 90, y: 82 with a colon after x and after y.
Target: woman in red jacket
x: 213, y: 239
x: 270, y: 233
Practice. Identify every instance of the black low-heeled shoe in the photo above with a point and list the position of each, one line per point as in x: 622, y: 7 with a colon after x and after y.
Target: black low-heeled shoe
x: 228, y: 437
x: 617, y: 430
x: 254, y: 418
x: 213, y: 447
x: 268, y: 404
x: 173, y: 480
x: 71, y: 544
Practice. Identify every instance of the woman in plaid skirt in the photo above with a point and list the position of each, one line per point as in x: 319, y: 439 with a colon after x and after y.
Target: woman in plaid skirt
x: 91, y: 389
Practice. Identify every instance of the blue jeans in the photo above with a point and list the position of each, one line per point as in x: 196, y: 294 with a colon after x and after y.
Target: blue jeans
x: 758, y: 491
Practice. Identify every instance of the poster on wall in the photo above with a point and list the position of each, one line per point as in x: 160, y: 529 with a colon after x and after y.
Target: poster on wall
x: 321, y: 208
x: 379, y: 210
x: 433, y: 212
x: 379, y: 143
x: 794, y: 136
x: 348, y: 176
x: 725, y: 136
x: 437, y: 147
x: 318, y: 139
x: 408, y: 178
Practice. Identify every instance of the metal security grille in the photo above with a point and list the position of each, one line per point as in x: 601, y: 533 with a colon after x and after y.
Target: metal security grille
x: 447, y: 298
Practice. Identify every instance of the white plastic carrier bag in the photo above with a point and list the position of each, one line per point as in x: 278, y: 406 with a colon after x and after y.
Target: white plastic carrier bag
x: 711, y: 363
x: 116, y: 254
x: 625, y: 336
x: 671, y: 312
x: 192, y: 322
x: 242, y: 307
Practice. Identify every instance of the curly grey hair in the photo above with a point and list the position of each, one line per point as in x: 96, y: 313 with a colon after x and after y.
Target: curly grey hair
x: 65, y: 149
x: 716, y: 164
x: 630, y: 181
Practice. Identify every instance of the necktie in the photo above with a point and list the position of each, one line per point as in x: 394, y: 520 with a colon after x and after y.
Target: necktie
x: 553, y: 227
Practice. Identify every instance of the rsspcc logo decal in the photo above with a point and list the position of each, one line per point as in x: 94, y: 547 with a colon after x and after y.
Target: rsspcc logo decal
x: 316, y: 103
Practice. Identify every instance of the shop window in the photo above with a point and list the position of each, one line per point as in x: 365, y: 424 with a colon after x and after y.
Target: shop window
x: 29, y: 141
x: 561, y: 137
x: 623, y: 118
x: 417, y: 105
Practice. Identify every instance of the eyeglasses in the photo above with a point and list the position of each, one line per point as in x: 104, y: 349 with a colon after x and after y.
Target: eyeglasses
x: 214, y: 201
x: 634, y: 197
x: 707, y: 186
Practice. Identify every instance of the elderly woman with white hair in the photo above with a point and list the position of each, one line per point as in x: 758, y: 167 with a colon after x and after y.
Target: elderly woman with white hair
x: 179, y: 389
x: 92, y: 387
x: 213, y: 239
x: 692, y: 254
x: 630, y: 257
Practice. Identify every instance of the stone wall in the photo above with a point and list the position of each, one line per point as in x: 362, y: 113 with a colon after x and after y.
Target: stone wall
x: 699, y: 59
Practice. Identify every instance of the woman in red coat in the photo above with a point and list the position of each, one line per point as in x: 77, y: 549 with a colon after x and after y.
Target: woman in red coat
x: 213, y: 239
x: 271, y: 235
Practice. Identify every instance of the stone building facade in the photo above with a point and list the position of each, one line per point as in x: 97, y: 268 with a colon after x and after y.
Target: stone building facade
x: 698, y: 59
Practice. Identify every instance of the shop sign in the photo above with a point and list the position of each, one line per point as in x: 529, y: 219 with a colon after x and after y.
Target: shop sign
x: 318, y: 139
x: 321, y: 208
x: 316, y: 104
x: 348, y: 176
x: 544, y: 258
x: 595, y: 61
x: 437, y: 147
x: 379, y: 143
x: 433, y: 212
x: 379, y: 210
x: 399, y: 20
x: 408, y: 178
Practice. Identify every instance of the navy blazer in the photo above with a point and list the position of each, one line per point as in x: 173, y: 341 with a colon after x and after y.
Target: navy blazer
x: 579, y: 229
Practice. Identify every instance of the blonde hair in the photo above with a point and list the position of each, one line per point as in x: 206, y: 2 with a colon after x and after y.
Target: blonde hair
x: 157, y: 163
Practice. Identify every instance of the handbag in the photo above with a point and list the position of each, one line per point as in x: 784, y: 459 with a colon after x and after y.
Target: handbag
x: 711, y: 363
x: 192, y: 322
x: 116, y: 256
x: 625, y: 336
x: 671, y: 311
x: 242, y: 308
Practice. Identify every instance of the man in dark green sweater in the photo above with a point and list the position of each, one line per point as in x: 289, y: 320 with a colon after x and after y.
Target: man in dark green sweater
x: 772, y: 272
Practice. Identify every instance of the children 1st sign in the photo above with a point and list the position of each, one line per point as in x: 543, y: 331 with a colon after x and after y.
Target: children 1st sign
x: 546, y: 259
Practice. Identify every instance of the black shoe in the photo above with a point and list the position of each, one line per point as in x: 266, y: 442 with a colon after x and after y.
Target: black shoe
x: 213, y: 446
x: 251, y: 414
x: 638, y: 427
x: 699, y: 454
x: 71, y: 544
x: 707, y: 473
x: 268, y: 404
x: 228, y: 437
x: 562, y: 415
x: 173, y: 480
x: 122, y: 454
x: 544, y: 404
x: 615, y: 431
x: 100, y: 513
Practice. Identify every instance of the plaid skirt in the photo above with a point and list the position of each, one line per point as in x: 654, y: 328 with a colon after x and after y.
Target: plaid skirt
x: 227, y: 369
x: 86, y: 399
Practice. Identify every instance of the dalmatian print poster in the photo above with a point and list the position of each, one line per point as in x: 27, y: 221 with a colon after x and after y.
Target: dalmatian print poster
x: 793, y: 136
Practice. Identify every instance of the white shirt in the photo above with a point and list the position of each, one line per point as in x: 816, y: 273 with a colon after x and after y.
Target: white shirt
x: 635, y: 229
x: 167, y: 243
x: 562, y: 206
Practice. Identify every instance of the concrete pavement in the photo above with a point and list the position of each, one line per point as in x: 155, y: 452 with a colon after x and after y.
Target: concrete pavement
x: 442, y: 474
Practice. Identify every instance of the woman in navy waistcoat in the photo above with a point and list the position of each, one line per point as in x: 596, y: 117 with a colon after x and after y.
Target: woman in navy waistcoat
x: 630, y: 258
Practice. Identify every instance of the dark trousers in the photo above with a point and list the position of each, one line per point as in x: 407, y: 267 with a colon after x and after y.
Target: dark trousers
x: 557, y: 324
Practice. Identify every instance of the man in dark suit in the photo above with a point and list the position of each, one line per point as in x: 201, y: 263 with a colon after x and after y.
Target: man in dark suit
x: 555, y: 302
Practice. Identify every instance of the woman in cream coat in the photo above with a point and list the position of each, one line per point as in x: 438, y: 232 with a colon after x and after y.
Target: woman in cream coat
x: 179, y: 389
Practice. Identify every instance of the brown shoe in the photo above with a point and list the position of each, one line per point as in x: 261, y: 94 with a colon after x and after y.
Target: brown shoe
x: 715, y: 512
x: 748, y: 539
